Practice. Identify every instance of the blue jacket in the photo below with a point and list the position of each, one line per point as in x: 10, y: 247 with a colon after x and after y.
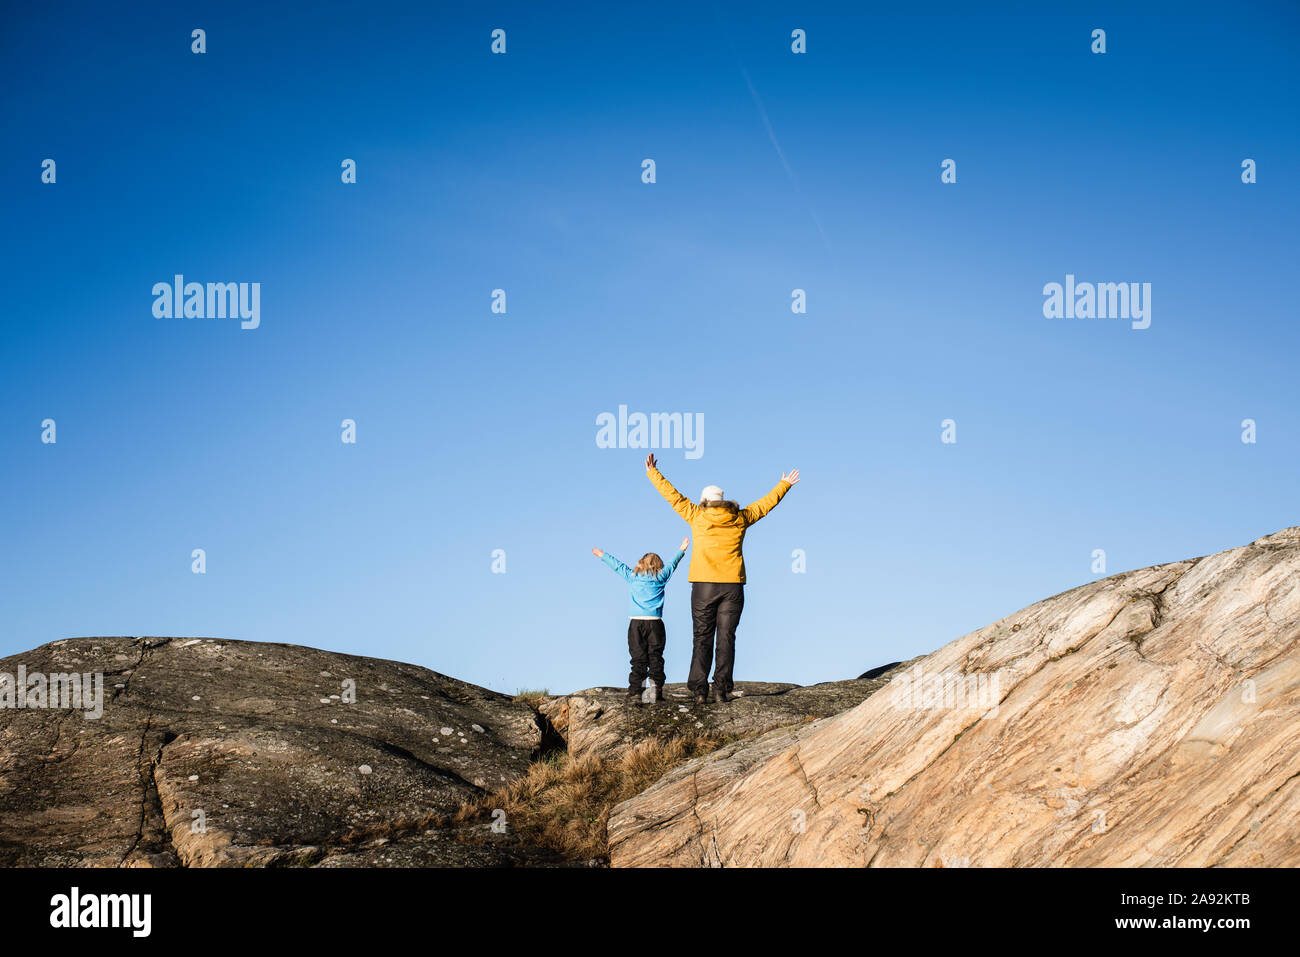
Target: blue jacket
x: 647, y: 590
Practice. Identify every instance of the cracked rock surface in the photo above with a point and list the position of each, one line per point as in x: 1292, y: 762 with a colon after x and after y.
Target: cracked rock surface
x: 230, y: 753
x: 1148, y: 719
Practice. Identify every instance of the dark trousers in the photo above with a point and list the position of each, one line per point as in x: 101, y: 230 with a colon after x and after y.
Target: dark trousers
x: 715, y: 606
x: 645, y: 644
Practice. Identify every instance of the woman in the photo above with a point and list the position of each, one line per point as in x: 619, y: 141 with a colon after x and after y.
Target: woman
x: 717, y: 574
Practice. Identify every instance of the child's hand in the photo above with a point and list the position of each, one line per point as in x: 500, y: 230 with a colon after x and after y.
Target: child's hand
x: 599, y: 553
x: 686, y: 543
x: 650, y: 461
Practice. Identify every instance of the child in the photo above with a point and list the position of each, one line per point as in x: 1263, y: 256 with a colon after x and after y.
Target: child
x: 645, y: 629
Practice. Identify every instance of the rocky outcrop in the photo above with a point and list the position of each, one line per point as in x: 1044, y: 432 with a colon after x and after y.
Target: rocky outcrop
x: 228, y: 753
x: 1148, y: 719
x: 213, y: 752
x: 599, y: 722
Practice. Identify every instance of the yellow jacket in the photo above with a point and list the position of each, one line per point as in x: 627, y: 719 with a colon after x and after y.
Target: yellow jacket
x: 718, y: 529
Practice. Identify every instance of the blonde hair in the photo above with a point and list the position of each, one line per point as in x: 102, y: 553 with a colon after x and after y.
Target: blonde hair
x: 650, y: 564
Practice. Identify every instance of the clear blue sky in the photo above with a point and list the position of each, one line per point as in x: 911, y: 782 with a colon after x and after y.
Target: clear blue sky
x: 477, y: 431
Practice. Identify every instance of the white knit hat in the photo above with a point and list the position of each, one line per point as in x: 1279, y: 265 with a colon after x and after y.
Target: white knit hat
x: 711, y: 493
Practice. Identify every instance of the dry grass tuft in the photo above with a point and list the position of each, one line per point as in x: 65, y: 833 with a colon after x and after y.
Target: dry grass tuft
x: 564, y: 804
x: 531, y: 696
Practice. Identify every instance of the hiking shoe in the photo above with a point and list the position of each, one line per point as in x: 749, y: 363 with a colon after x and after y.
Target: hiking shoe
x: 634, y: 696
x: 701, y: 698
x: 718, y: 696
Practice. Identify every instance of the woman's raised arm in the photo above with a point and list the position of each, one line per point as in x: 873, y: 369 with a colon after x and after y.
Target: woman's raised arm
x: 680, y: 503
x: 757, y: 510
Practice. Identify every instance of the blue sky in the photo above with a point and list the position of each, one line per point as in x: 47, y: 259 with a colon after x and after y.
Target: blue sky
x: 476, y: 431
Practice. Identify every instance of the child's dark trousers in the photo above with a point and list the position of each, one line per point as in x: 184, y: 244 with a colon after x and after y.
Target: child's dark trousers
x: 645, y: 644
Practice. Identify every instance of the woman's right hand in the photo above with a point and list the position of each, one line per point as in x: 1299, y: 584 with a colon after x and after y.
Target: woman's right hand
x: 599, y: 553
x: 792, y: 478
x: 650, y: 461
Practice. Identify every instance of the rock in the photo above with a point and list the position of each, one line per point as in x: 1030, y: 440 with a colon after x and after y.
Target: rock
x: 440, y: 847
x: 879, y: 671
x: 1148, y: 719
x: 599, y: 722
x: 213, y: 752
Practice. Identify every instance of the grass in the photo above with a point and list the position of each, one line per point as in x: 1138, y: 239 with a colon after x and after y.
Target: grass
x: 564, y: 805
x: 531, y: 696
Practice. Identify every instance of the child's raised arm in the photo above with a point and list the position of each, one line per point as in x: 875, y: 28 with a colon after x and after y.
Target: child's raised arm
x: 614, y: 564
x: 668, y: 569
